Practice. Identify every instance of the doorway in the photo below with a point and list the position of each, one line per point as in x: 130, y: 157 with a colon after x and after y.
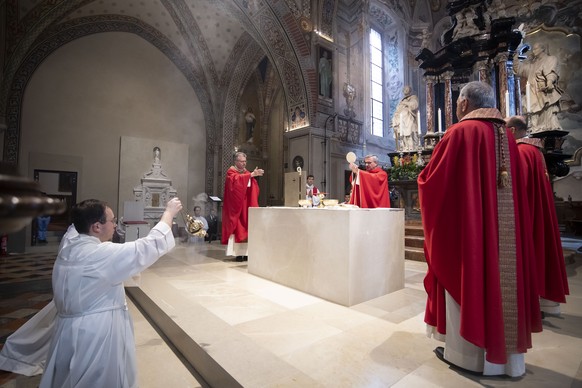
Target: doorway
x: 62, y: 186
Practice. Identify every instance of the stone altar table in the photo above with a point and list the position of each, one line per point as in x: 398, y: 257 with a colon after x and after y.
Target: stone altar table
x: 347, y: 256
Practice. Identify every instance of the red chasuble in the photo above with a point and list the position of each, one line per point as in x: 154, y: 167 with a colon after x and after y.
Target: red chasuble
x: 471, y: 249
x: 238, y: 197
x: 372, y: 191
x: 550, y: 266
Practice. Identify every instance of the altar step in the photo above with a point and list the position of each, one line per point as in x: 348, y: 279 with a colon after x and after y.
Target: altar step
x: 414, y: 241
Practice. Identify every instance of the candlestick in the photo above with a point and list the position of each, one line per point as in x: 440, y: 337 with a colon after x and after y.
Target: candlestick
x: 528, y: 97
x: 418, y: 122
x: 507, y: 114
x: 439, y: 120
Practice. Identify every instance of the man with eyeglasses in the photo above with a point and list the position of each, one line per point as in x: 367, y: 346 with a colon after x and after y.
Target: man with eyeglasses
x: 549, y: 256
x: 93, y: 343
x: 370, y: 187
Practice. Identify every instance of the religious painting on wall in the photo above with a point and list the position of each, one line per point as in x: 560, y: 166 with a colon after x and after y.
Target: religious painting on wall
x: 298, y: 117
x: 325, y: 73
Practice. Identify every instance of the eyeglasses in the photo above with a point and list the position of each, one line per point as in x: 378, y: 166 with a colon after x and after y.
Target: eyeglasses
x: 113, y: 221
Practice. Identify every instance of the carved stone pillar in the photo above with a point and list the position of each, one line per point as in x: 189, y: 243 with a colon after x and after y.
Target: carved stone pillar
x: 430, y: 81
x: 447, y: 75
x: 504, y: 88
x: 482, y: 67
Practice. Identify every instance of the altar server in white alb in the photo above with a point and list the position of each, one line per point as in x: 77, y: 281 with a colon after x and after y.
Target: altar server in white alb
x: 93, y: 342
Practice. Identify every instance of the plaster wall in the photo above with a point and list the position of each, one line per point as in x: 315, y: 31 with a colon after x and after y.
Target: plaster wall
x: 89, y: 93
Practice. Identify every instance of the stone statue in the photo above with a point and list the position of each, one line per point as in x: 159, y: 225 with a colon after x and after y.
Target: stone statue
x: 405, y: 121
x: 350, y: 95
x: 324, y: 75
x: 543, y: 94
x: 465, y: 24
x: 157, y: 155
x: 425, y: 39
x: 250, y: 121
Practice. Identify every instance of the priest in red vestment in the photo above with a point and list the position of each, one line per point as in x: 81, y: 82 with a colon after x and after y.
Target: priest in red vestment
x: 482, y: 298
x: 241, y: 191
x: 552, y: 280
x: 370, y: 187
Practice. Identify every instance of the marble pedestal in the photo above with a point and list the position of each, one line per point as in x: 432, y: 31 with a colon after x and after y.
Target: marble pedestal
x: 347, y: 256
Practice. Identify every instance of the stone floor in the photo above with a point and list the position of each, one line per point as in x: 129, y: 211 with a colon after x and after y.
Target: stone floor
x: 267, y: 335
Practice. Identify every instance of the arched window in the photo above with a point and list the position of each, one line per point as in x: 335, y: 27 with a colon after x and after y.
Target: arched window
x: 387, y: 57
x: 376, y: 83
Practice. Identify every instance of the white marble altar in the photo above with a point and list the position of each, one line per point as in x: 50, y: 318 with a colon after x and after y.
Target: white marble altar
x: 347, y: 256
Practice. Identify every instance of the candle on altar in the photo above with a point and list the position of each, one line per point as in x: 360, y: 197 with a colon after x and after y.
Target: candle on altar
x: 528, y: 97
x: 440, y: 120
x: 418, y: 122
x: 507, y: 114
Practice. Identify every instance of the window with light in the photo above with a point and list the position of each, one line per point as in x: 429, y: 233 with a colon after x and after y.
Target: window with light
x: 376, y: 83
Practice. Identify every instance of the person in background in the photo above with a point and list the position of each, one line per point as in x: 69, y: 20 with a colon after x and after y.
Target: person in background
x: 241, y: 191
x: 482, y: 299
x: 198, y: 216
x: 369, y: 187
x: 311, y: 192
x: 42, y: 223
x: 346, y: 199
x: 550, y: 265
x: 93, y: 343
x: 212, y: 226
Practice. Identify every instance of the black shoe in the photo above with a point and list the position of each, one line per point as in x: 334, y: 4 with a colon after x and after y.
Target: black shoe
x: 440, y: 353
x: 245, y: 258
x: 239, y: 258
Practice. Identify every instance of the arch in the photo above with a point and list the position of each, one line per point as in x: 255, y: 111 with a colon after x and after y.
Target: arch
x: 78, y: 28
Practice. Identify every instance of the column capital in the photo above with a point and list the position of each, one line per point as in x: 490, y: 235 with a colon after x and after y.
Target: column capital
x: 501, y: 57
x: 448, y: 75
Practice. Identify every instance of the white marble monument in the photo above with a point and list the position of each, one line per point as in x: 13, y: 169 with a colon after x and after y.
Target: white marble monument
x: 347, y: 256
x: 155, y: 189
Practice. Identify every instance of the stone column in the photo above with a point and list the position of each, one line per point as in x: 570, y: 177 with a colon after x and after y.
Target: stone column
x: 482, y: 67
x: 448, y: 75
x: 430, y: 81
x: 503, y: 87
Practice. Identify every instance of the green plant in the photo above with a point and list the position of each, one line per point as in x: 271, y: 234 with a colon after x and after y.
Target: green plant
x: 405, y: 168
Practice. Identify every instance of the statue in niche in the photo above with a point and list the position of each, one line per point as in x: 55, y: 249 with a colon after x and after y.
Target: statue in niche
x: 425, y: 39
x: 350, y: 95
x: 156, y: 170
x: 250, y: 121
x: 325, y: 74
x: 542, y: 91
x: 405, y: 121
x: 157, y: 155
